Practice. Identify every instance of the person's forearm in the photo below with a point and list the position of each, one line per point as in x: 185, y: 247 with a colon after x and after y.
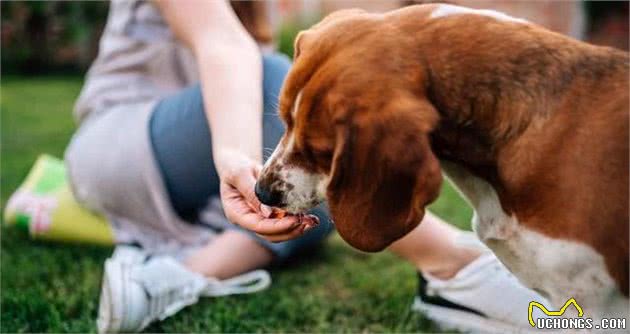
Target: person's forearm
x: 230, y: 72
x: 231, y: 79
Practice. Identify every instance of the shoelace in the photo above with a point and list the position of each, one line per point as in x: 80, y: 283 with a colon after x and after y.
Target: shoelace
x: 167, y: 303
x: 250, y: 282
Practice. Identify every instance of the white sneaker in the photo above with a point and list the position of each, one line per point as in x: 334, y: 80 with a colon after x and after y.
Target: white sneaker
x: 483, y: 297
x: 128, y: 255
x: 138, y: 290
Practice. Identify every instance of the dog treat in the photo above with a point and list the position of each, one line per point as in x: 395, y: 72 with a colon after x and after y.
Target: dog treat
x: 277, y: 213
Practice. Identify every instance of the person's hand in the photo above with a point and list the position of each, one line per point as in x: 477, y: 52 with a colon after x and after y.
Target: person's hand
x: 243, y: 208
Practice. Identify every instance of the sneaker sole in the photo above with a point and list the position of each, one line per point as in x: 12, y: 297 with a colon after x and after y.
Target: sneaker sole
x: 466, y: 322
x: 110, y: 313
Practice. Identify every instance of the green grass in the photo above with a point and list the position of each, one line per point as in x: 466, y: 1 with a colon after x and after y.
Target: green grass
x: 50, y: 287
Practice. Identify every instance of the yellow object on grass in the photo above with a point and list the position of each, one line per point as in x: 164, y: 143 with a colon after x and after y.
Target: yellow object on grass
x: 45, y: 206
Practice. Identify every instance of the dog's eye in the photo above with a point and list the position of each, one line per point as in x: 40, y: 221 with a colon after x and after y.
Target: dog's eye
x: 308, y: 153
x: 314, y: 157
x: 316, y: 152
x: 322, y: 158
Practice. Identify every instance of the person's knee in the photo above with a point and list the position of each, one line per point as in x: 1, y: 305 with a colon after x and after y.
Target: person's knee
x: 276, y: 63
x: 78, y: 159
x: 98, y: 157
x: 275, y: 68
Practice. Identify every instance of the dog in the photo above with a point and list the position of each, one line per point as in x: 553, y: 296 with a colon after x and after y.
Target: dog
x: 530, y: 125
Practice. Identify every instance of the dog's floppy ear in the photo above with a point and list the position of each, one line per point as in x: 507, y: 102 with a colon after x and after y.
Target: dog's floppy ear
x: 296, y: 44
x: 383, y: 173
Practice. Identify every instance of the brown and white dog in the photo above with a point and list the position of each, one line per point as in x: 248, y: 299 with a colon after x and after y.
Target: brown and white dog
x: 530, y: 125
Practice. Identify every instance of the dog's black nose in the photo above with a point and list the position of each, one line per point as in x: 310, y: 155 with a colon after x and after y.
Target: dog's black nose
x: 266, y: 196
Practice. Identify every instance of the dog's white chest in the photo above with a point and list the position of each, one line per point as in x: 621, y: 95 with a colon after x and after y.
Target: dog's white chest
x: 559, y: 269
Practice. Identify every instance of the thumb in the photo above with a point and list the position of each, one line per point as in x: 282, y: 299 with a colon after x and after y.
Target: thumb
x: 257, y: 170
x: 245, y: 183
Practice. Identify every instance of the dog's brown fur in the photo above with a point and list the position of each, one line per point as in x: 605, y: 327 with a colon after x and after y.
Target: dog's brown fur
x: 541, y: 117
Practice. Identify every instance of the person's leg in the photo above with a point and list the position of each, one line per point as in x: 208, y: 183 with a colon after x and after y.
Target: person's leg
x: 229, y: 254
x: 139, y: 288
x: 182, y: 145
x: 453, y: 275
x: 432, y: 248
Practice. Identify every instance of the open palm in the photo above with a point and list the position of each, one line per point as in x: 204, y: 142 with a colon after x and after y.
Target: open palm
x: 244, y: 209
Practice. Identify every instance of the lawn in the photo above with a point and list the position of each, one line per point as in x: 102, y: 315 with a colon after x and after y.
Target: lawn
x: 50, y: 287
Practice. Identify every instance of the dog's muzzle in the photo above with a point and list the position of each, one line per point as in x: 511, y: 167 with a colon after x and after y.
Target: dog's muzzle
x: 268, y: 196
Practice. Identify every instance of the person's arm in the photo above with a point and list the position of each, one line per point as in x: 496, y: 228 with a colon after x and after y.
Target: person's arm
x: 230, y: 72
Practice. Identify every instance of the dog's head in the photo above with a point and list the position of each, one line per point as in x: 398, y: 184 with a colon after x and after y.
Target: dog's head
x: 357, y: 131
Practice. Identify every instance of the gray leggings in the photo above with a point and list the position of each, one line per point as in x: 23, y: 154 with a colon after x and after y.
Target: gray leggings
x: 181, y: 142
